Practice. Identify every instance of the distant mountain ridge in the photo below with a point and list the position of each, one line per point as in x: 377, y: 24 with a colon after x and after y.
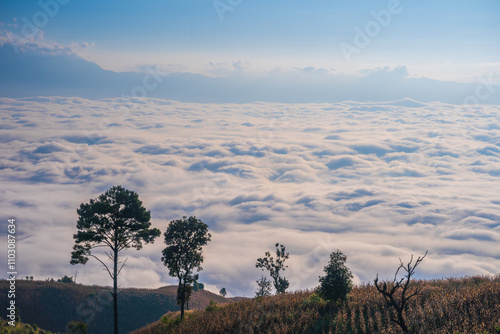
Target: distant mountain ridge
x: 31, y: 73
x: 51, y: 305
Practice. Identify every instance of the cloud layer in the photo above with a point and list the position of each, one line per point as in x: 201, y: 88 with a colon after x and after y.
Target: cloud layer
x: 378, y: 181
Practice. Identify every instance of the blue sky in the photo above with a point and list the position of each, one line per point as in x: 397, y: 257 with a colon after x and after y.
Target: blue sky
x: 446, y: 40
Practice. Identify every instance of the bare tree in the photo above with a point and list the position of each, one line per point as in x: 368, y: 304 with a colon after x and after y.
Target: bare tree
x: 397, y: 294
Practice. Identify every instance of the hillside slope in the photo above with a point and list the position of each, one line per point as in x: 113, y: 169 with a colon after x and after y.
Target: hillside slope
x: 52, y: 305
x: 467, y: 305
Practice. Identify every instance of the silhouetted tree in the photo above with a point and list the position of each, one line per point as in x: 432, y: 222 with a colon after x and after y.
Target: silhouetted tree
x: 185, y: 238
x: 223, y: 292
x: 198, y: 286
x: 337, y: 282
x: 396, y: 293
x: 115, y: 220
x: 264, y: 287
x: 274, y: 267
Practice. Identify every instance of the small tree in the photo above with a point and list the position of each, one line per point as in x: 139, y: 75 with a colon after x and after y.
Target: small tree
x: 185, y: 238
x: 337, y: 282
x: 264, y: 287
x: 198, y: 286
x: 397, y: 294
x: 115, y: 220
x: 223, y: 292
x: 274, y: 267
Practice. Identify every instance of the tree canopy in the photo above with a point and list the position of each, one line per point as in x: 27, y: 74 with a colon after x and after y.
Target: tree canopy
x: 115, y: 219
x: 185, y: 239
x: 337, y: 282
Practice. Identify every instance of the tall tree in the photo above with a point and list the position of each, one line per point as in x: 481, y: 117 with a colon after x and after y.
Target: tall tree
x: 223, y: 292
x: 275, y: 266
x: 116, y: 220
x: 185, y: 239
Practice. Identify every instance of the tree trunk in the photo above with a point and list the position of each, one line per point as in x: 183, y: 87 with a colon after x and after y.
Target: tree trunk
x: 402, y: 323
x: 115, y: 292
x: 181, y: 294
x: 182, y: 310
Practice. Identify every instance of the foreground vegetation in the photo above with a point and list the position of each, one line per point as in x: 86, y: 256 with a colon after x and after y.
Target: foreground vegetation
x: 454, y: 305
x: 51, y: 305
x: 20, y: 328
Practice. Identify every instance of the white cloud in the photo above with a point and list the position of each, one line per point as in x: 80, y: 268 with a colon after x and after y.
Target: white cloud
x: 37, y: 42
x: 378, y: 181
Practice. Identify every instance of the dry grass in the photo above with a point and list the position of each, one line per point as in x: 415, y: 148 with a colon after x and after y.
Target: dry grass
x: 465, y: 305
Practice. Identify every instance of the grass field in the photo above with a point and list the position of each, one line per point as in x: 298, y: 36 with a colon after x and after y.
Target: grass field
x: 454, y: 305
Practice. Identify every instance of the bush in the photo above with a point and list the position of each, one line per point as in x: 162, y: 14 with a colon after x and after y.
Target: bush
x: 66, y: 279
x: 170, y: 321
x: 212, y: 306
x: 77, y: 327
x: 314, y: 300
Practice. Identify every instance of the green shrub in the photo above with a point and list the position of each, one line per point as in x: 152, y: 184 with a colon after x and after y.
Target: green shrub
x: 165, y: 319
x: 212, y: 306
x: 77, y: 327
x: 314, y: 300
x: 169, y: 320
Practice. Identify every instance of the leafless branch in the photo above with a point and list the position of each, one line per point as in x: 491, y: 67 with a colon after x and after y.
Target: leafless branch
x: 105, y: 266
x: 390, y: 292
x: 121, y: 267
